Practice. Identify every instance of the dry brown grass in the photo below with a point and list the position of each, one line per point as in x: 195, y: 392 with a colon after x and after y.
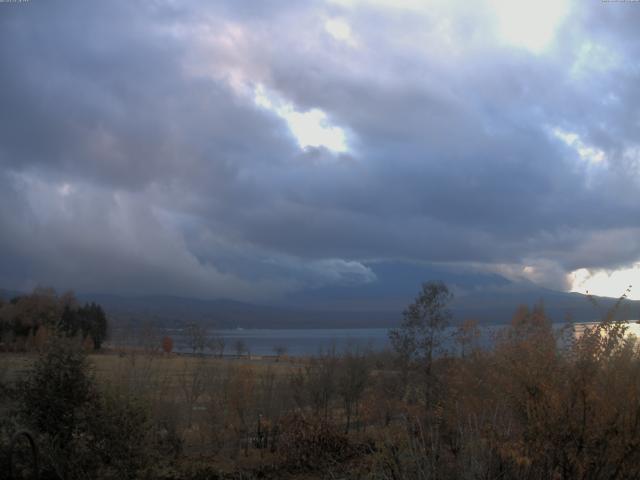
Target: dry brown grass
x: 110, y: 366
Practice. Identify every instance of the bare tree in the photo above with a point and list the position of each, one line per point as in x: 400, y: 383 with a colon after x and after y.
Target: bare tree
x: 421, y: 332
x: 279, y: 350
x: 240, y: 347
x: 216, y: 344
x: 192, y: 380
x: 149, y: 338
x: 320, y: 377
x: 196, y: 337
x: 352, y: 381
x: 467, y: 336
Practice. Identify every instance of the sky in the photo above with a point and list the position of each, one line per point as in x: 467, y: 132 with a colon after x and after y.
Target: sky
x: 249, y: 150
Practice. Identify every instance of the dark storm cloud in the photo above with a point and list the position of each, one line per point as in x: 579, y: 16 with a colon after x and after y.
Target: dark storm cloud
x: 110, y: 96
x: 134, y: 158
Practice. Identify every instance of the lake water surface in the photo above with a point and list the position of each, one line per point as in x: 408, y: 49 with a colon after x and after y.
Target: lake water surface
x: 298, y: 342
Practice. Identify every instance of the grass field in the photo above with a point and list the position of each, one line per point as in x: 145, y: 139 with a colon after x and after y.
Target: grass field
x: 198, y: 393
x: 110, y: 365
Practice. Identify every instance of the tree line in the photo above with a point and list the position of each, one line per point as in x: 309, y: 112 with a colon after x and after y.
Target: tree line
x: 26, y: 321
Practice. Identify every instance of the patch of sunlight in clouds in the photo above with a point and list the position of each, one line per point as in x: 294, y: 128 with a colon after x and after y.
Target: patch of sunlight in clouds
x: 591, y: 155
x: 340, y: 30
x: 529, y: 24
x: 310, y: 128
x: 607, y: 283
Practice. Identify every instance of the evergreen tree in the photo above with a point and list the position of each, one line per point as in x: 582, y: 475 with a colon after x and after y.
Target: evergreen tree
x: 70, y: 321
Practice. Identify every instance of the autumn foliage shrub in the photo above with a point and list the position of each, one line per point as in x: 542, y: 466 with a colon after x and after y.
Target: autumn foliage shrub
x: 539, y: 404
x: 167, y: 344
x: 312, y: 444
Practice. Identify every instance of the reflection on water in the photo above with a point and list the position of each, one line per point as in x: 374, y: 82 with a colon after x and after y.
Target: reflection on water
x: 633, y: 328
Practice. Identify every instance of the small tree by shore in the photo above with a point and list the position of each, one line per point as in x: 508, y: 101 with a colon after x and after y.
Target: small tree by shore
x: 167, y: 344
x: 280, y: 351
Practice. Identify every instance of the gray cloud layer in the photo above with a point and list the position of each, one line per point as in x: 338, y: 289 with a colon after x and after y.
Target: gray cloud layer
x: 133, y: 157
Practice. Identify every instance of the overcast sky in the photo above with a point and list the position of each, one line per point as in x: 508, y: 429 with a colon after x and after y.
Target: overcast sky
x: 251, y: 149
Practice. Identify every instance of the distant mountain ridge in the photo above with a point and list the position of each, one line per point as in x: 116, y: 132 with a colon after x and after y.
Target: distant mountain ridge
x: 488, y: 308
x: 486, y: 297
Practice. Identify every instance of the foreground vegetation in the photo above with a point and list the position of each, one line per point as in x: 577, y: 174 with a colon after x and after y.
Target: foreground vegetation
x: 539, y: 404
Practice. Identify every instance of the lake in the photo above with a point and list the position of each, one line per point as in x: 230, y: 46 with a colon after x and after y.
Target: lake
x: 301, y: 342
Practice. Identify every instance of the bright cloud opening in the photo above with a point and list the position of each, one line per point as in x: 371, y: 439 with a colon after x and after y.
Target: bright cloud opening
x: 588, y: 153
x: 310, y: 128
x: 528, y: 24
x: 340, y: 30
x: 607, y: 283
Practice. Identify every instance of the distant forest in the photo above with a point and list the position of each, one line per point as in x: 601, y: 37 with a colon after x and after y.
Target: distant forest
x: 27, y: 321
